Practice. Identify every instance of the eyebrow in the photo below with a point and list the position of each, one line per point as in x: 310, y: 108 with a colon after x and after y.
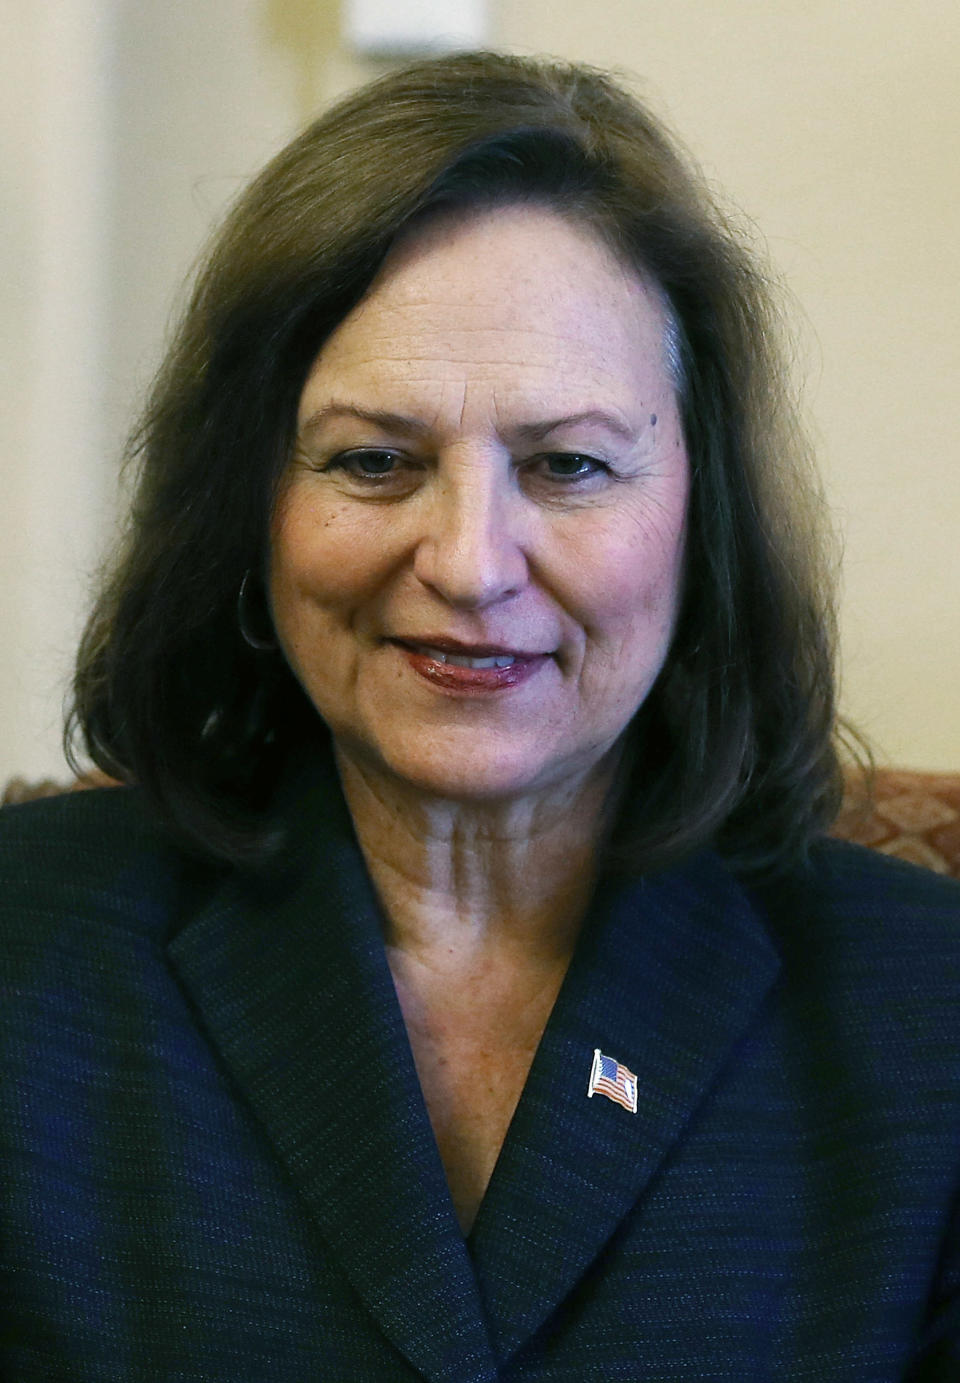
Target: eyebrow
x: 390, y: 422
x: 535, y: 432
x: 413, y: 427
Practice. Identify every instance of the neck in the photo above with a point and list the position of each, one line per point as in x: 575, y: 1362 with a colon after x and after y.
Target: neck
x: 462, y: 881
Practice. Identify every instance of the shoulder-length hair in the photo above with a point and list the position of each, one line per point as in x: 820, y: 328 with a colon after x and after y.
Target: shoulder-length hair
x: 734, y: 745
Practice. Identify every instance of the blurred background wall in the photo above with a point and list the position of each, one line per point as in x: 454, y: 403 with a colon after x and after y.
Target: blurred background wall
x: 126, y: 125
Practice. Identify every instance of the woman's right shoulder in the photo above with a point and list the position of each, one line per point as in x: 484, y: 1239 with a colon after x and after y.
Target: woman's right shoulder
x: 96, y: 857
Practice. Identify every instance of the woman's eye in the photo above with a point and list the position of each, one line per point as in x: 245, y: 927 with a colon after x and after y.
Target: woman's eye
x: 572, y: 465
x: 371, y: 464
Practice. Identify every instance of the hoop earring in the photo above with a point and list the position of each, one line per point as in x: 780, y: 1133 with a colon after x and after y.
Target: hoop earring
x: 243, y: 620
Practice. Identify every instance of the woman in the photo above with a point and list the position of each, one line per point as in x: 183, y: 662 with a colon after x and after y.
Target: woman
x: 463, y: 991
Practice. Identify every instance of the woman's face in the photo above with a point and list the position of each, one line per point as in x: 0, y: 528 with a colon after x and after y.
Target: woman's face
x: 477, y: 552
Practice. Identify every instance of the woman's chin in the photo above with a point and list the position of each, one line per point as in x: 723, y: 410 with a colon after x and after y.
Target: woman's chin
x: 465, y: 781
x: 469, y: 777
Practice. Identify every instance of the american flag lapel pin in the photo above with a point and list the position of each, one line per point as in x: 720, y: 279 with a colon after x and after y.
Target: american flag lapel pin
x: 608, y: 1077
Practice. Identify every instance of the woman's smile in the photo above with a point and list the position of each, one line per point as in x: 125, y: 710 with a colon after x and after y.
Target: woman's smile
x: 469, y: 669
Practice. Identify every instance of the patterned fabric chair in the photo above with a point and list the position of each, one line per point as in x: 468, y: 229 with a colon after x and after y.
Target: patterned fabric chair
x: 915, y: 816
x: 22, y: 790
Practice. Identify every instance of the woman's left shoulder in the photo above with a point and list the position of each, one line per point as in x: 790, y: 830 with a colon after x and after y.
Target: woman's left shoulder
x: 842, y: 868
x: 846, y: 898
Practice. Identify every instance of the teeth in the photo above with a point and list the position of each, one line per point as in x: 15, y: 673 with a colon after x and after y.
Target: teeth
x: 458, y: 660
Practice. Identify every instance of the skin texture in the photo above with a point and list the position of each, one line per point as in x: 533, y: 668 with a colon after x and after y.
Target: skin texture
x: 475, y: 514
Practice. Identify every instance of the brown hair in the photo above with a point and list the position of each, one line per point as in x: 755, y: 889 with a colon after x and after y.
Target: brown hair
x: 734, y: 746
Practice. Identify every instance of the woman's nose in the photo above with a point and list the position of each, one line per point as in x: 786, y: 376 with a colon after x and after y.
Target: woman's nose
x: 470, y: 551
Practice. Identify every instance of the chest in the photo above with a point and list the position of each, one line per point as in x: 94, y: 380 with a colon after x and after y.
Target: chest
x: 473, y: 1047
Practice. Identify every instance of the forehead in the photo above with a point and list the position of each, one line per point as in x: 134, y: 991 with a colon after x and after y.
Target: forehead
x: 517, y: 294
x: 518, y: 243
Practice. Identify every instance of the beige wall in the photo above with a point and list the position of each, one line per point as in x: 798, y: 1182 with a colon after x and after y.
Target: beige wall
x: 834, y: 127
x: 54, y: 175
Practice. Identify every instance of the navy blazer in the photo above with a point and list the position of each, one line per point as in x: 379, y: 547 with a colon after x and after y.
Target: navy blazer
x: 216, y: 1163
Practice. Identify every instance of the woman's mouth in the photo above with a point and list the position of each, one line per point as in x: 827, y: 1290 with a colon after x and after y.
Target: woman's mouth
x: 465, y: 668
x: 441, y: 655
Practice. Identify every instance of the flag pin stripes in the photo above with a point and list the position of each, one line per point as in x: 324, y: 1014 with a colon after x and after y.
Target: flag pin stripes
x: 608, y: 1077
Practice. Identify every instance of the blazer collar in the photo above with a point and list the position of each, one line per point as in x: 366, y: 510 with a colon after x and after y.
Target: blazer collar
x: 668, y: 974
x: 291, y: 978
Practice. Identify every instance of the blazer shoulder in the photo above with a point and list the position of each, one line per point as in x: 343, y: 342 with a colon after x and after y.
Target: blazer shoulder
x: 841, y: 870
x: 98, y: 856
x: 849, y: 901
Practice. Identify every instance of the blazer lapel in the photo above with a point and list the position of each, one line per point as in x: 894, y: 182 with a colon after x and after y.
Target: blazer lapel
x: 294, y: 988
x: 667, y: 975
